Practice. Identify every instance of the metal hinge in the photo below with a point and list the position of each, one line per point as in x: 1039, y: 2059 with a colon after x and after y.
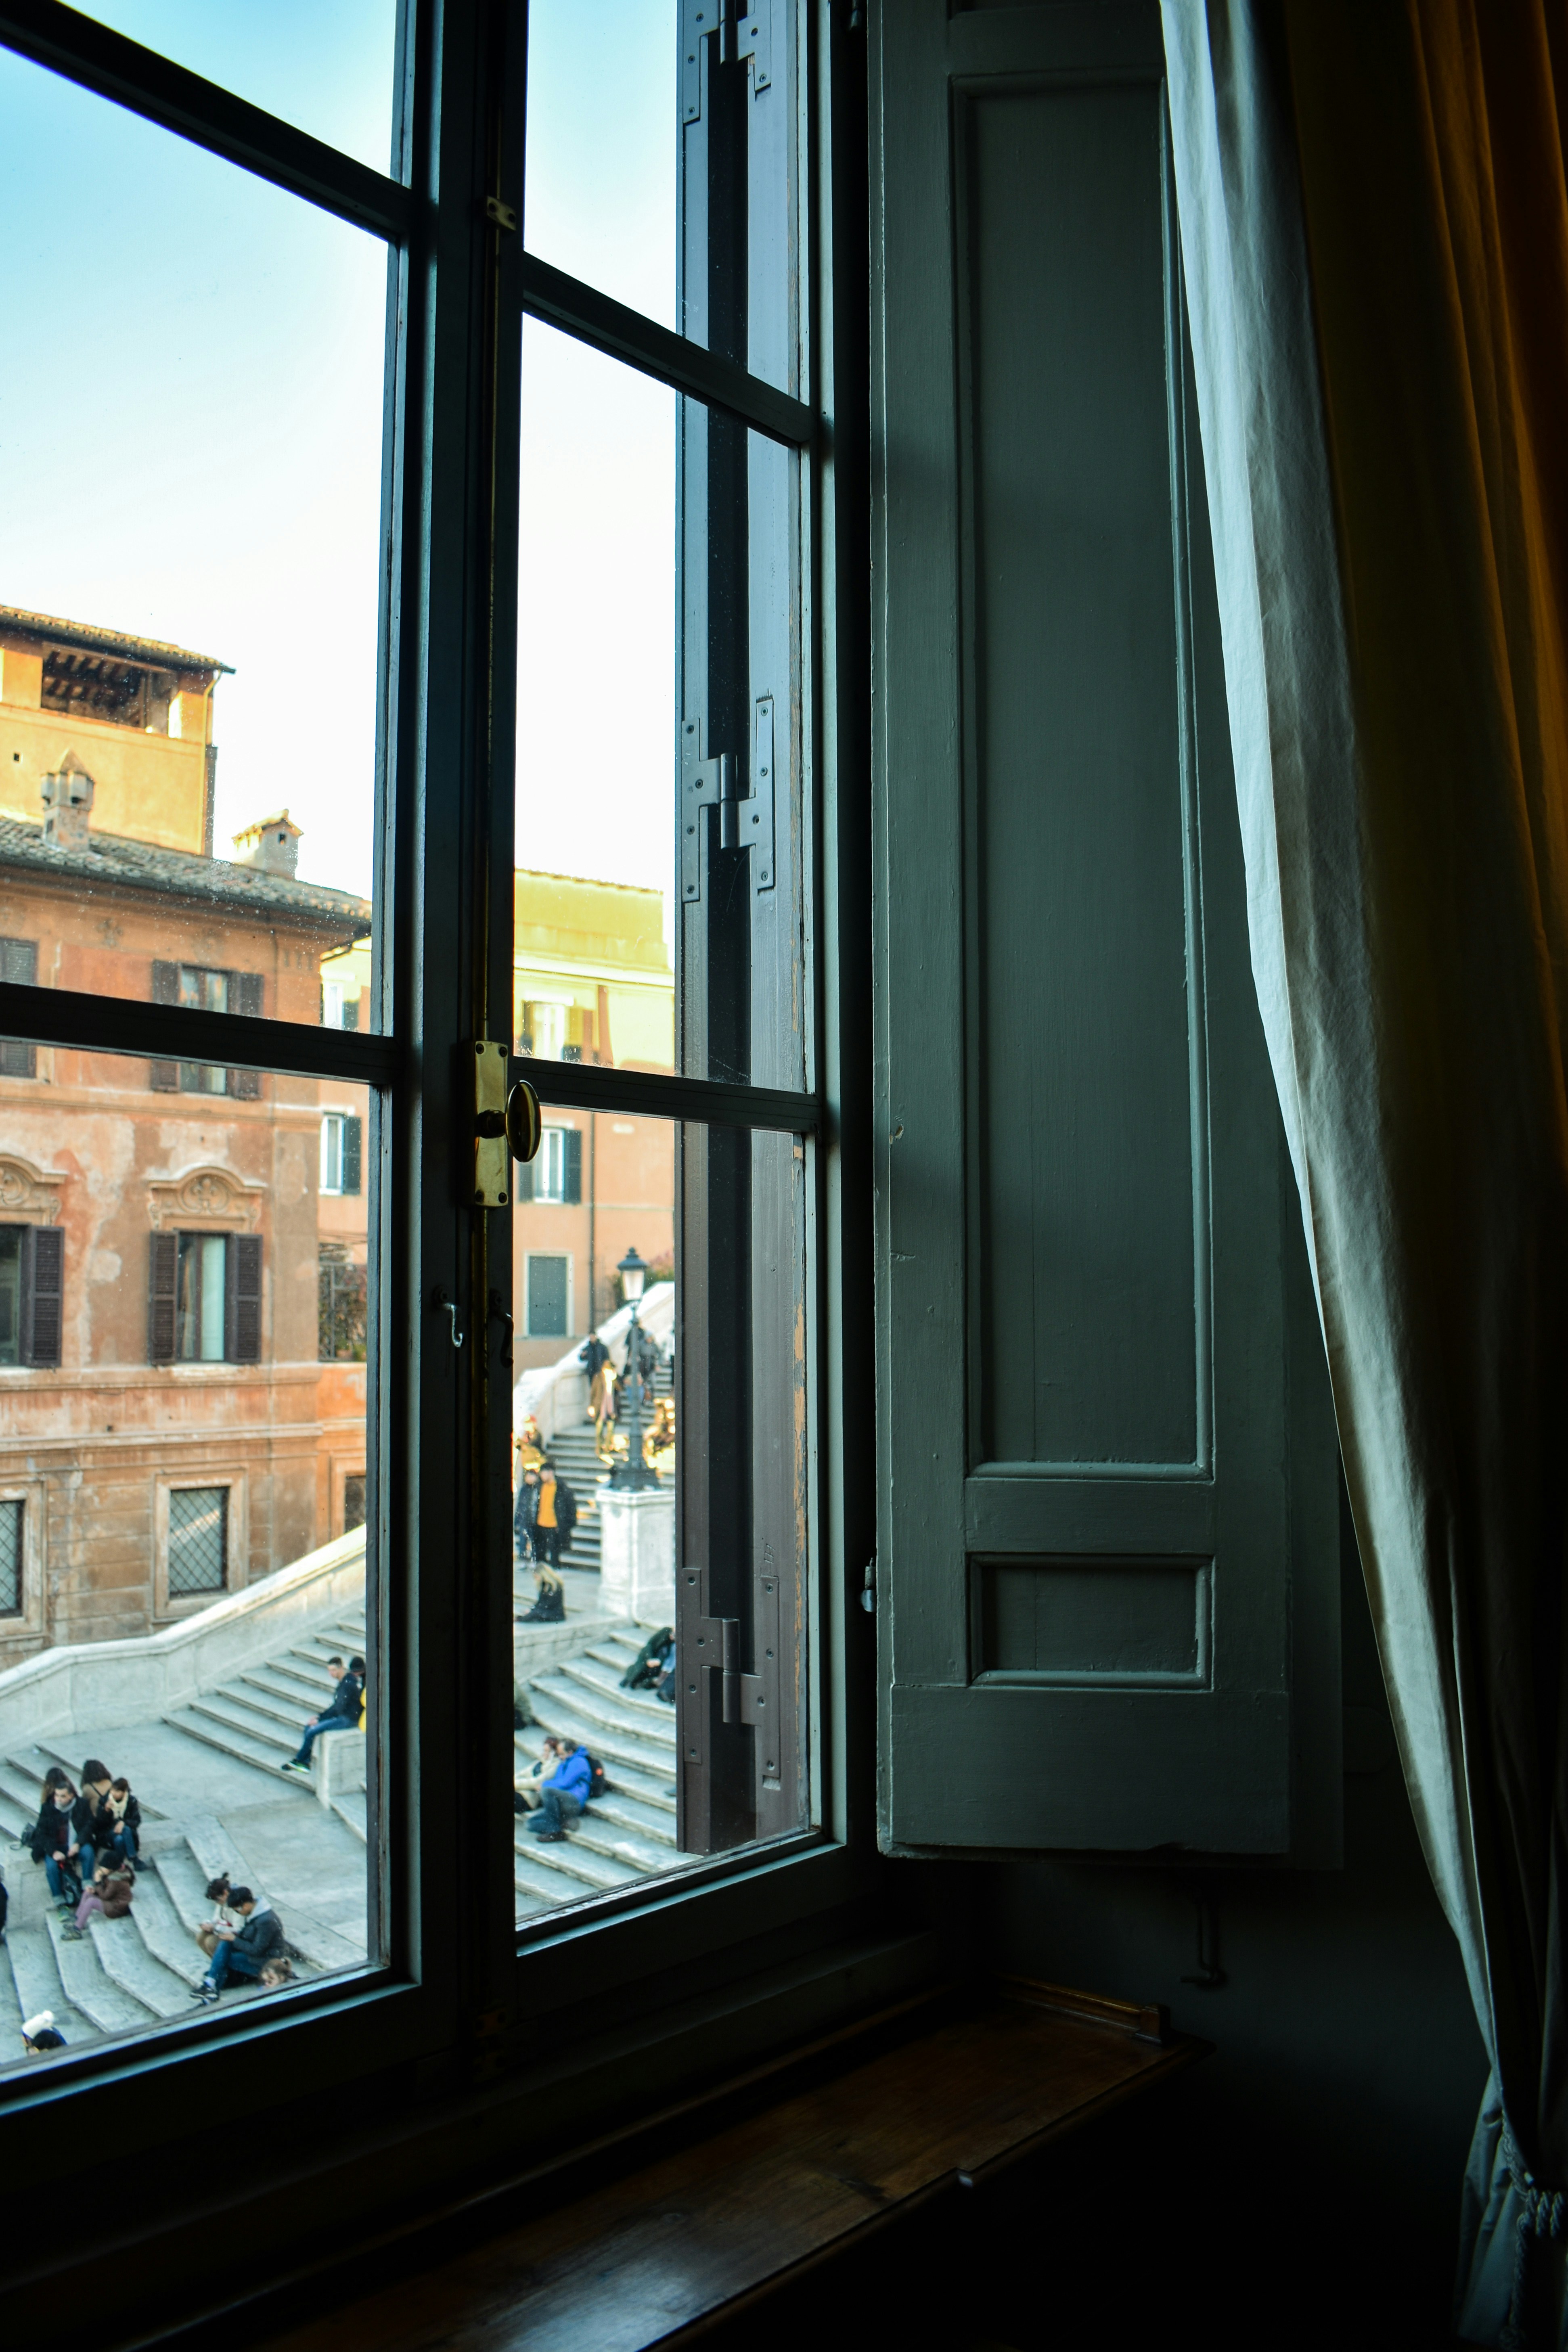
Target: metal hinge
x: 503, y: 215
x: 745, y: 819
x: 708, y: 1646
x: 744, y: 33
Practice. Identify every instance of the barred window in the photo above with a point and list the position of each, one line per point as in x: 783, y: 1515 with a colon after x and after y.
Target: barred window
x: 198, y: 1540
x: 12, y: 1527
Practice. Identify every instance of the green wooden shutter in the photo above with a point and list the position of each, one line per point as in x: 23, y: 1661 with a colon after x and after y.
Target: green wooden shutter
x: 162, y: 1278
x: 354, y: 1133
x: 571, y: 1165
x: 242, y: 1301
x: 244, y: 996
x: 164, y: 1076
x: 42, y: 1294
x: 1107, y: 1473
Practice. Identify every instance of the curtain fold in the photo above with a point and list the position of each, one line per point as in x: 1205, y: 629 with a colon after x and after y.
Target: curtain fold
x: 1375, y: 231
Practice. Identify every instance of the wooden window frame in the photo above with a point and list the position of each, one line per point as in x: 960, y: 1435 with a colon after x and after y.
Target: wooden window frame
x: 443, y: 2007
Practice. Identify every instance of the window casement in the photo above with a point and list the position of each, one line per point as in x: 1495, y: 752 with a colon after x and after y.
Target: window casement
x: 18, y: 961
x: 342, y: 1134
x: 32, y: 1303
x: 390, y: 1264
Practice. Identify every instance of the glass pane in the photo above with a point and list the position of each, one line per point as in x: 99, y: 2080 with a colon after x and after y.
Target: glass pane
x: 328, y: 70
x: 190, y: 535
x: 665, y: 174
x: 183, y: 1545
x: 661, y: 844
x: 661, y: 1420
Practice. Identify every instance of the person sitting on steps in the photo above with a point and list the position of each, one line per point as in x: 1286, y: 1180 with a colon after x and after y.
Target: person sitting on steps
x: 88, y: 1820
x: 113, y: 1884
x: 41, y: 2035
x: 54, y: 1840
x: 342, y: 1715
x: 248, y: 1951
x: 527, y: 1787
x: 562, y: 1796
x: 121, y: 1819
x: 550, y: 1520
x: 218, y: 1891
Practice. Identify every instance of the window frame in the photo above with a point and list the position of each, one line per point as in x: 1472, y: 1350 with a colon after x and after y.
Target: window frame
x: 457, y: 1972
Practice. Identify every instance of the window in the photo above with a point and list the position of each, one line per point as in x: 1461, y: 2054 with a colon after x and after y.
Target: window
x: 13, y: 1518
x: 202, y: 991
x: 205, y: 1299
x: 557, y: 1173
x: 340, y: 1143
x: 341, y: 1306
x: 549, y: 1296
x: 354, y: 1501
x: 31, y: 1301
x: 198, y: 1540
x: 18, y: 961
x: 340, y: 1004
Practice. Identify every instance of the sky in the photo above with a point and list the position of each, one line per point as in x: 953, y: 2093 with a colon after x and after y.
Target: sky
x: 191, y: 411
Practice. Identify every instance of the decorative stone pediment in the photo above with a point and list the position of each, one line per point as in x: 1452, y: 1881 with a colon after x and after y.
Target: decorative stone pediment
x: 28, y: 1192
x: 205, y: 1199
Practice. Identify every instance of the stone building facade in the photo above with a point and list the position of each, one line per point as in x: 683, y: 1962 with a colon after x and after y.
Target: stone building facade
x: 179, y: 1414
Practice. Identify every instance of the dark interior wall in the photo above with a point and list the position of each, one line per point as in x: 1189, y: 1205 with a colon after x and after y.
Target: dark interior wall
x: 1304, y: 2183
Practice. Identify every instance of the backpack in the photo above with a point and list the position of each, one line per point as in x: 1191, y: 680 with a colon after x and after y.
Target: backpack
x: 597, y: 1784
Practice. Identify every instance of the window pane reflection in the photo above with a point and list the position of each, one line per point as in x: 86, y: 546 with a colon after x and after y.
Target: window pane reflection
x: 183, y: 1392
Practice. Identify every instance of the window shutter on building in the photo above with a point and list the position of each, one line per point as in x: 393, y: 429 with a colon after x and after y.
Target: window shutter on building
x: 163, y: 1273
x: 571, y: 1165
x: 18, y: 963
x: 1106, y: 1585
x: 242, y: 1305
x: 244, y: 996
x: 42, y: 1294
x: 354, y: 1131
x: 164, y: 1076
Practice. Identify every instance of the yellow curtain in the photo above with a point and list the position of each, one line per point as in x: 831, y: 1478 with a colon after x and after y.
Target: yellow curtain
x: 1374, y: 222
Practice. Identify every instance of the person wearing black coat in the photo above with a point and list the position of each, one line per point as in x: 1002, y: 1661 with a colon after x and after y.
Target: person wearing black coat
x: 55, y: 1843
x: 248, y: 1949
x: 121, y: 1821
x: 88, y: 1816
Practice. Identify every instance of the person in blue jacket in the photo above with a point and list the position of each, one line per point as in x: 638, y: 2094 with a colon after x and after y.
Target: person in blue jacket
x: 562, y: 1797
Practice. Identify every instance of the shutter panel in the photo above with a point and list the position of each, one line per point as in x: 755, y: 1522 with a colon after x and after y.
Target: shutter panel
x: 164, y: 1076
x: 163, y: 1273
x: 242, y: 1303
x: 18, y: 962
x: 244, y: 996
x: 571, y: 1165
x: 354, y: 1133
x: 43, y: 1300
x: 1107, y: 1482
x: 523, y: 1179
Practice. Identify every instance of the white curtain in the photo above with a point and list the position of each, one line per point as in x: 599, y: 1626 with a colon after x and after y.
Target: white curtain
x: 1374, y: 232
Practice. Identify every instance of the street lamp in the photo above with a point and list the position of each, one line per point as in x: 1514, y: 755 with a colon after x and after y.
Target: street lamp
x: 633, y: 1472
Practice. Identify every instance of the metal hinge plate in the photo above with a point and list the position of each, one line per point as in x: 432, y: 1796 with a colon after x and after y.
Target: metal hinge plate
x: 745, y: 820
x: 744, y: 32
x: 709, y: 1646
x: 492, y: 1159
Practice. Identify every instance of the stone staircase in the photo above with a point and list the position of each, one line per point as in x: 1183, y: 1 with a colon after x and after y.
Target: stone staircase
x: 573, y: 1451
x: 629, y: 1834
x: 258, y: 1716
x: 123, y: 1975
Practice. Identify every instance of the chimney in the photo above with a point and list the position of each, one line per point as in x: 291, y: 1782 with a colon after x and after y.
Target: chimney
x: 68, y: 804
x: 272, y: 843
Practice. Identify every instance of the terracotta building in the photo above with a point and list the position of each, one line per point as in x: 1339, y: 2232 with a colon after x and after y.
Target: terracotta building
x: 181, y: 1247
x: 593, y: 981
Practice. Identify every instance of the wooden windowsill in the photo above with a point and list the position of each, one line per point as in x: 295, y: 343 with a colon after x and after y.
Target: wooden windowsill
x: 974, y: 2081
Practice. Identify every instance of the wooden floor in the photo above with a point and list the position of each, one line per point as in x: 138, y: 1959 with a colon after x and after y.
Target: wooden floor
x: 703, y: 2233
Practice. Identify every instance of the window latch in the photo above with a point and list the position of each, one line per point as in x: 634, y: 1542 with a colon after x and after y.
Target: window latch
x: 745, y: 819
x: 507, y: 1127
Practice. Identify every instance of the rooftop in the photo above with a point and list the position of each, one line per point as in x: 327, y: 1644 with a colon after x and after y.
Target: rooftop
x: 82, y: 634
x: 112, y: 861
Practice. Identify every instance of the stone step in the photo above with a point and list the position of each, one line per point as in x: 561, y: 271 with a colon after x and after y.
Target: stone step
x: 352, y: 1808
x: 618, y: 1754
x: 281, y: 1709
x: 574, y: 1860
x: 161, y: 1927
x: 36, y: 1978
x: 594, y: 1674
x: 184, y: 1882
x: 212, y: 1734
x: 655, y: 1823
x: 231, y: 1713
x: 11, y: 2013
x: 297, y: 1690
x: 126, y: 1961
x: 90, y: 1992
x: 597, y: 1833
x: 542, y: 1887
x: 622, y: 1730
x: 15, y: 1818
